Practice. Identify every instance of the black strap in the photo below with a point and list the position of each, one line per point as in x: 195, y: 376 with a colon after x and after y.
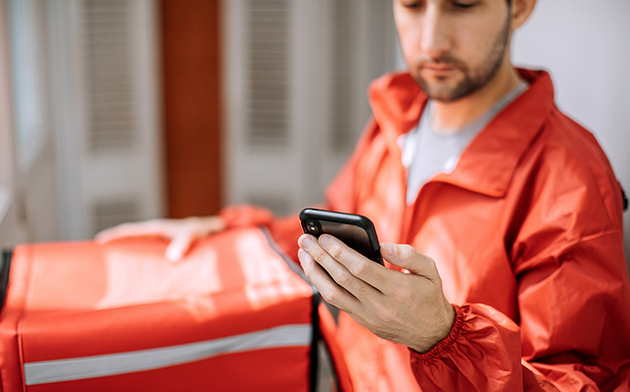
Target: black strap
x: 5, y: 267
x: 625, y: 199
x: 315, y: 339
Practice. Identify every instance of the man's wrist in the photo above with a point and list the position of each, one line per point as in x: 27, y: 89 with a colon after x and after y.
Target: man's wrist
x: 451, y: 325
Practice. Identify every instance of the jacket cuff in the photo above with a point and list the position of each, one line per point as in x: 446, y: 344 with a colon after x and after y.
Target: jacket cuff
x: 245, y: 215
x: 444, y: 344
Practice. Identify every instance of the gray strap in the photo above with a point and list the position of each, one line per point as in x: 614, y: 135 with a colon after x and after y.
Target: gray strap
x: 129, y: 362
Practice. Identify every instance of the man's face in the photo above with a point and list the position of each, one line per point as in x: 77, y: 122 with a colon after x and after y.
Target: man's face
x: 453, y: 47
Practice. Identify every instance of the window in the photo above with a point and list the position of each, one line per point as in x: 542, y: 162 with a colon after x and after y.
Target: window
x: 6, y: 141
x: 27, y: 79
x: 296, y: 80
x: 79, y: 131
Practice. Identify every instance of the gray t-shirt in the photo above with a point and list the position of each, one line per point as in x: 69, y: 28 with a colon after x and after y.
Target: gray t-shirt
x: 426, y: 152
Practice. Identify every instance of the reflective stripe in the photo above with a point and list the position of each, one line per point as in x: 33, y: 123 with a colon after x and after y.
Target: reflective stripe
x: 129, y: 362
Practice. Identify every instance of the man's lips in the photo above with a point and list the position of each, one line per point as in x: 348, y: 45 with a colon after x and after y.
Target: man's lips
x: 439, y: 69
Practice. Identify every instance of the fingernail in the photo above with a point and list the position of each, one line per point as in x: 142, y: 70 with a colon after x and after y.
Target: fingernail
x: 306, y: 242
x: 324, y: 240
x: 304, y: 257
x: 389, y: 249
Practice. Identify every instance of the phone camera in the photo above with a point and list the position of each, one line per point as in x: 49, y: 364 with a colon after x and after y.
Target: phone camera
x: 312, y: 226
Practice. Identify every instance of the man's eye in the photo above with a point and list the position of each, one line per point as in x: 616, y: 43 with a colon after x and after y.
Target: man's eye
x: 463, y: 5
x: 412, y: 5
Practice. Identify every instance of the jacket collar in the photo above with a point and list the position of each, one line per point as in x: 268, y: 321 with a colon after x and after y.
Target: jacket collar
x: 487, y: 164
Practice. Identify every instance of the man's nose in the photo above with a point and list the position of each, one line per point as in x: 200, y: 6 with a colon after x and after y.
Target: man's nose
x: 435, y: 39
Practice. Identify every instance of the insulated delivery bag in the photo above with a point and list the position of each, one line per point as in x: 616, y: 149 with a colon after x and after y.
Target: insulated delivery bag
x: 234, y: 315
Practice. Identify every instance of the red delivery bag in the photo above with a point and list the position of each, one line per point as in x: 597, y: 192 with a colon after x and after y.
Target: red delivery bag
x: 234, y: 315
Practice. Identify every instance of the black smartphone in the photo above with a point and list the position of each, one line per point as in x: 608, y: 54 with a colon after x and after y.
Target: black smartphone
x: 356, y: 231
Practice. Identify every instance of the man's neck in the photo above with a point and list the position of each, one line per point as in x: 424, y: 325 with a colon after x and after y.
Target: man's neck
x: 448, y: 116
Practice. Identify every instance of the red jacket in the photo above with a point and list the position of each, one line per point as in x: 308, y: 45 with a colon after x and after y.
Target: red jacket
x: 526, y: 233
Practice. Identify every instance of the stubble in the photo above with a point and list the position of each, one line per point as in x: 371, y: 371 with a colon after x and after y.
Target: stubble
x: 475, y: 77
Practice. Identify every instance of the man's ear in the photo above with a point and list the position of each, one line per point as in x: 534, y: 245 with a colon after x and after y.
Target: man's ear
x: 521, y: 10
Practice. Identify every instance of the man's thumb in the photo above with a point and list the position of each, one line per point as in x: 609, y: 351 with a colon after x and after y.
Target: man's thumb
x: 407, y: 257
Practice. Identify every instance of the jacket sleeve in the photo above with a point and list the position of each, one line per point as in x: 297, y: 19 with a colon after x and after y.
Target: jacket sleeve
x: 573, y: 300
x: 572, y: 334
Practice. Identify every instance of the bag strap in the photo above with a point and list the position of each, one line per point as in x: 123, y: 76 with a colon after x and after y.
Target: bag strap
x: 5, y: 268
x: 624, y: 198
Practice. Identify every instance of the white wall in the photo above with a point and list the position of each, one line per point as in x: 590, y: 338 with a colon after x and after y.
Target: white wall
x: 584, y: 44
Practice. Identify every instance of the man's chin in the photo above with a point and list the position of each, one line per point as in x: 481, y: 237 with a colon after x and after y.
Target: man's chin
x: 440, y: 92
x: 440, y: 89
x: 444, y: 90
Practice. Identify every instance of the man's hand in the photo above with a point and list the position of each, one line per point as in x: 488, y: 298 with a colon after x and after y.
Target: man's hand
x: 181, y: 232
x: 407, y: 308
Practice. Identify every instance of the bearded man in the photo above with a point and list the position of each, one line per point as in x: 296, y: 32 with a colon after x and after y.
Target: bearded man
x: 502, y: 222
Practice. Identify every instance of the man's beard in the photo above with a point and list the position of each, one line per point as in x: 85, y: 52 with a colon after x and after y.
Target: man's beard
x: 474, y: 78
